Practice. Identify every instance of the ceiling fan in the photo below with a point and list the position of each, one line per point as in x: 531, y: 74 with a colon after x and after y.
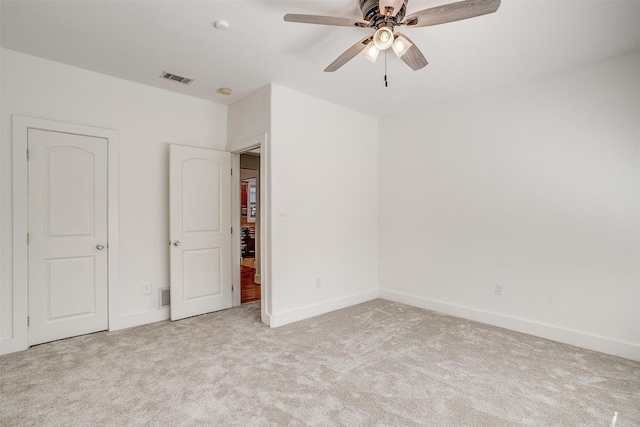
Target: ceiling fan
x: 384, y: 15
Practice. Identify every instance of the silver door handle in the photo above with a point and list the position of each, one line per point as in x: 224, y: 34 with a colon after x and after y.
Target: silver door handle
x: 99, y: 246
x: 176, y: 243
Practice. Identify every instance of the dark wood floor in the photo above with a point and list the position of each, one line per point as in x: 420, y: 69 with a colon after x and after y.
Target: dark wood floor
x: 249, y: 291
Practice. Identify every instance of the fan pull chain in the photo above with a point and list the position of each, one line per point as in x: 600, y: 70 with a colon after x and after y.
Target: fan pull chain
x: 386, y: 83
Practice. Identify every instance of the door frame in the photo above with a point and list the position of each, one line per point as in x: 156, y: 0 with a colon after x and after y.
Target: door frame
x: 260, y: 140
x: 20, y: 126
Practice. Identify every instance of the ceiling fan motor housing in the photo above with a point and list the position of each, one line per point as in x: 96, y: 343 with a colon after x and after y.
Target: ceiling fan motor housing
x: 370, y: 12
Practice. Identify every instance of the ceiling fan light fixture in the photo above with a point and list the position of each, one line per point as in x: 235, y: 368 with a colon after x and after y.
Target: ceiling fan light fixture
x: 401, y: 45
x: 383, y: 38
x: 383, y: 16
x: 371, y: 52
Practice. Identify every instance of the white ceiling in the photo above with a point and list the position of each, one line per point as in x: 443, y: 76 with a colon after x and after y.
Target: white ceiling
x: 137, y: 40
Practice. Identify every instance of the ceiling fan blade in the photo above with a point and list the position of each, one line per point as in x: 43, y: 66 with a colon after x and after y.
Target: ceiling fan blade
x: 451, y: 12
x: 412, y: 57
x: 395, y: 6
x: 324, y: 20
x: 349, y: 54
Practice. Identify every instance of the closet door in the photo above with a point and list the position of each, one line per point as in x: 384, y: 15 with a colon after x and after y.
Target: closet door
x: 67, y: 235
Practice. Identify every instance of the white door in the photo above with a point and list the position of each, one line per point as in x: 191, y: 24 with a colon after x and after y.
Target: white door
x: 200, y: 230
x: 67, y: 235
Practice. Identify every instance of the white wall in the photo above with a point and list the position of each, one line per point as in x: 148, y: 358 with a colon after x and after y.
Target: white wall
x: 535, y: 188
x: 323, y: 163
x: 250, y: 116
x: 148, y: 120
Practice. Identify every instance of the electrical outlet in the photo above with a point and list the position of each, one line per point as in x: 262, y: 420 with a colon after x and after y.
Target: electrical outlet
x: 146, y: 288
x: 498, y: 289
x: 318, y: 282
x: 282, y: 216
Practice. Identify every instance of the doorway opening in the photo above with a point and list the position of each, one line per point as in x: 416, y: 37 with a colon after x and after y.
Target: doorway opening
x: 250, y: 289
x: 258, y: 147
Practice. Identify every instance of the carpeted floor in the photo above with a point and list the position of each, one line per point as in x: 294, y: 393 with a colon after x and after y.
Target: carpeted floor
x: 377, y: 363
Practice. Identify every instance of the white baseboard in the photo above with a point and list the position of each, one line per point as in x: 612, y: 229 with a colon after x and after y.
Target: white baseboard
x: 266, y: 319
x: 286, y: 317
x: 136, y: 319
x: 554, y: 333
x: 12, y: 345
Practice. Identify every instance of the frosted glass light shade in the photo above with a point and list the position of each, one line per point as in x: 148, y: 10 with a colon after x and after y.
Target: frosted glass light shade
x: 401, y: 45
x: 371, y: 52
x: 383, y: 38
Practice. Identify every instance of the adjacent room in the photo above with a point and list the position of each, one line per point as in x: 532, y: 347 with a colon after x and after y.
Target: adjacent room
x: 356, y: 212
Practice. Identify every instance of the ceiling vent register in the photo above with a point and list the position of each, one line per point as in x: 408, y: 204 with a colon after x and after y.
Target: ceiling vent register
x: 176, y: 78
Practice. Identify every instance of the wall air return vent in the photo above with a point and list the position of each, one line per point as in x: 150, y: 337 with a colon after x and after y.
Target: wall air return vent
x: 176, y: 78
x: 165, y: 297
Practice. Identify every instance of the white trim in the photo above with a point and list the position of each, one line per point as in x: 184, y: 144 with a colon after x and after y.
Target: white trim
x: 555, y: 333
x: 136, y: 319
x: 237, y: 226
x: 286, y: 317
x: 247, y: 144
x: 265, y: 230
x: 258, y: 141
x: 113, y: 225
x: 20, y: 125
x: 20, y: 304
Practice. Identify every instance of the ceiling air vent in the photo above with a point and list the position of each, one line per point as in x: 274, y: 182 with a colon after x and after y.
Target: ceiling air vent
x: 176, y: 78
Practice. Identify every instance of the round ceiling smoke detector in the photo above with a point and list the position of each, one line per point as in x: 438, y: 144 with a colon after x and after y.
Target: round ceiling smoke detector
x: 224, y: 91
x: 221, y: 25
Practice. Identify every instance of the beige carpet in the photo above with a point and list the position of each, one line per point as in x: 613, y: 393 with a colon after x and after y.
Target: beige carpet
x: 378, y: 363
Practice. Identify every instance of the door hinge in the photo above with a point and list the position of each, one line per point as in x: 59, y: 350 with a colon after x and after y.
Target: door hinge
x: 27, y: 154
x: 231, y: 288
x: 231, y: 172
x: 28, y: 321
x: 28, y: 238
x: 231, y: 230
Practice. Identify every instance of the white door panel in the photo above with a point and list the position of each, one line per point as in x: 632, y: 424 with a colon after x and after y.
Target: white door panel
x: 200, y: 178
x: 70, y: 286
x: 200, y: 229
x: 67, y: 223
x: 202, y: 273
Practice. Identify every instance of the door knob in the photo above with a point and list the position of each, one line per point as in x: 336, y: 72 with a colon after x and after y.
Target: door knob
x: 176, y: 243
x: 99, y: 246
